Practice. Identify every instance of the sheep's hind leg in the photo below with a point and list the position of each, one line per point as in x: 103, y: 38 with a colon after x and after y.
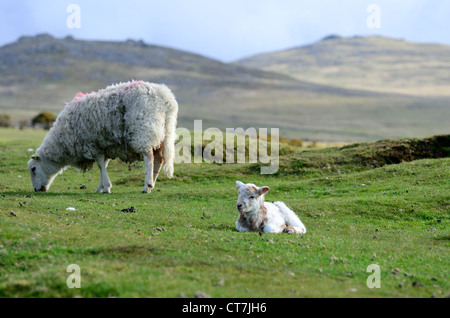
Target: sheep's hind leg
x: 158, y: 162
x: 149, y: 183
x: 105, y: 184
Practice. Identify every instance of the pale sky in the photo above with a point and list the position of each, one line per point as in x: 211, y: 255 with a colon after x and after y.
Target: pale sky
x: 226, y: 29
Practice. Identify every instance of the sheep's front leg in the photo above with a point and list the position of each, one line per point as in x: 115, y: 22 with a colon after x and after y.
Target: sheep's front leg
x: 149, y: 183
x: 105, y: 184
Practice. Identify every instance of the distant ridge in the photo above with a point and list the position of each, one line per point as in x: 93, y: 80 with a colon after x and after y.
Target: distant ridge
x: 331, y: 37
x: 374, y: 63
x: 56, y: 55
x: 306, y: 92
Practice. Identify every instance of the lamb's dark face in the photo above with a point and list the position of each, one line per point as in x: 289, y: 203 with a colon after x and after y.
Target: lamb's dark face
x: 250, y: 197
x: 41, y: 178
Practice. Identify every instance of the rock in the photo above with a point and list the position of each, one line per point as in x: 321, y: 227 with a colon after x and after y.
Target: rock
x: 128, y: 210
x: 432, y: 229
x: 12, y: 213
x: 417, y: 284
x: 334, y: 259
x: 205, y: 216
x: 201, y: 294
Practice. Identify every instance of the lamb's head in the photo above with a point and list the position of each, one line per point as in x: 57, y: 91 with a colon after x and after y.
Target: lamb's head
x: 42, y: 172
x: 250, y: 197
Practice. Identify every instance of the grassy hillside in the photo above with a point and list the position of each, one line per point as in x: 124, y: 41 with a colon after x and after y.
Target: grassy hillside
x: 42, y: 73
x: 362, y: 156
x: 371, y: 63
x: 182, y: 239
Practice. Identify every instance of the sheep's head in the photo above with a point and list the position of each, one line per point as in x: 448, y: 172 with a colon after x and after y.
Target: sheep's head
x: 250, y: 197
x: 42, y: 173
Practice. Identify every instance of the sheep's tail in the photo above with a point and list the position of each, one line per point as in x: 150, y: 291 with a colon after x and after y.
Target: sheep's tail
x: 170, y: 137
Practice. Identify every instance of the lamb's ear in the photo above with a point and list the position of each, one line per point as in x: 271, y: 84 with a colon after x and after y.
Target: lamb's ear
x: 263, y: 190
x: 239, y: 184
x: 36, y: 157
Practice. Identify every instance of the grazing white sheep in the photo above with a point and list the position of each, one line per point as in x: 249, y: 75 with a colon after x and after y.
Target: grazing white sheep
x: 130, y: 121
x: 257, y: 215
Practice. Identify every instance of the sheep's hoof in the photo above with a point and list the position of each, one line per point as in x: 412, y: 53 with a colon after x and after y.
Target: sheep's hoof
x: 148, y: 189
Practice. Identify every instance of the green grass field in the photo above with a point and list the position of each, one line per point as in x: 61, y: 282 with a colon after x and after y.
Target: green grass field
x: 182, y: 239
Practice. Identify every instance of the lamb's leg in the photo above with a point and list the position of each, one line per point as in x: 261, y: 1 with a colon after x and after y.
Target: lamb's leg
x: 272, y: 228
x: 290, y: 229
x: 158, y: 164
x: 148, y: 161
x: 241, y: 224
x: 293, y: 222
x: 105, y: 183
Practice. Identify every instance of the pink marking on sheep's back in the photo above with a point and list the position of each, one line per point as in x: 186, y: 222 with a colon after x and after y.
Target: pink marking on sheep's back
x: 76, y: 97
x: 79, y: 95
x: 134, y: 83
x: 128, y: 85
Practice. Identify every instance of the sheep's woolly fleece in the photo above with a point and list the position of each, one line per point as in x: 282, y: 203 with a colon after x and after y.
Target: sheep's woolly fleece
x: 122, y: 121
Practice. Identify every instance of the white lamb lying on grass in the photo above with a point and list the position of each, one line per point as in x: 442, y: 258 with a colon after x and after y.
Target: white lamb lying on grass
x: 259, y: 216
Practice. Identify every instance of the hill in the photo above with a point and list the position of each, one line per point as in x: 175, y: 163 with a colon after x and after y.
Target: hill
x: 42, y: 73
x: 371, y: 63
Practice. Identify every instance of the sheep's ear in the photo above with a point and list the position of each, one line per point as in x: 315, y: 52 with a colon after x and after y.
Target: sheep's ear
x: 239, y: 184
x: 263, y: 190
x: 36, y: 157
